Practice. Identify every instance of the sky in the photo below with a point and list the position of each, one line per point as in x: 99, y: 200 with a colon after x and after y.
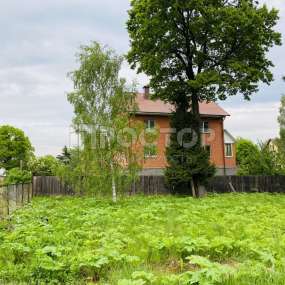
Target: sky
x: 39, y: 40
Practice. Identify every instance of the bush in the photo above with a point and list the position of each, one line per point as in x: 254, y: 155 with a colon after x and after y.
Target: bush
x: 258, y: 159
x: 17, y: 176
x: 44, y: 166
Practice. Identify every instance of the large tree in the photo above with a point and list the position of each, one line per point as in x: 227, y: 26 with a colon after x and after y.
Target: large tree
x: 15, y: 148
x: 203, y: 49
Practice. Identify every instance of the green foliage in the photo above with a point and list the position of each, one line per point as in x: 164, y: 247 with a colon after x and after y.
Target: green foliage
x: 17, y: 176
x: 209, y: 49
x: 71, y: 172
x: 271, y: 162
x: 44, y: 166
x: 150, y: 151
x: 88, y: 172
x: 103, y: 106
x: 220, y: 240
x: 259, y: 159
x: 247, y: 155
x: 15, y: 148
x: 186, y: 164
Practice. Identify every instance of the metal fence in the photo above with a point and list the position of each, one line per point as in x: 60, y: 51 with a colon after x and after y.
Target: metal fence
x: 13, y: 197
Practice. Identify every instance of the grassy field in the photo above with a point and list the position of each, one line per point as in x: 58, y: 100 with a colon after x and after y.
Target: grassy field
x: 227, y: 239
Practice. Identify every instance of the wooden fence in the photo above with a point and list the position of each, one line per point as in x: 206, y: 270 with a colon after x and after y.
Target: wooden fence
x: 13, y: 197
x: 50, y: 186
x: 248, y: 184
x: 155, y: 185
x: 149, y: 185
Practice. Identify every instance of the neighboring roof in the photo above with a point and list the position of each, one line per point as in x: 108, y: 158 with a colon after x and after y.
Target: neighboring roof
x: 228, y: 137
x: 147, y: 106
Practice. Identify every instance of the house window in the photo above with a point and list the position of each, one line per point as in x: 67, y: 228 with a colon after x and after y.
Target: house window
x: 149, y: 124
x: 205, y: 127
x: 150, y: 151
x: 228, y: 150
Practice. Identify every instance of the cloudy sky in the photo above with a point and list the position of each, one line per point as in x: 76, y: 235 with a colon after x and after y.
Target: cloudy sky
x: 38, y: 42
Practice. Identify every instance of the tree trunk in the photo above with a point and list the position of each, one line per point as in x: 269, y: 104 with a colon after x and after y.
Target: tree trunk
x: 197, y: 129
x: 193, y: 189
x: 114, y: 190
x: 196, y: 113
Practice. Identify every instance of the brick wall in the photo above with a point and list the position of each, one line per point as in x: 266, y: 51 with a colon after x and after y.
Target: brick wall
x: 215, y: 139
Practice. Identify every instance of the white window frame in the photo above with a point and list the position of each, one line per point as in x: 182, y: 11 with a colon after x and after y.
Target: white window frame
x: 203, y: 129
x: 232, y: 153
x: 148, y: 124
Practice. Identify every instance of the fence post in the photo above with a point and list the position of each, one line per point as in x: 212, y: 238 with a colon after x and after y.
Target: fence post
x: 3, y: 202
x: 7, y: 199
x: 23, y: 193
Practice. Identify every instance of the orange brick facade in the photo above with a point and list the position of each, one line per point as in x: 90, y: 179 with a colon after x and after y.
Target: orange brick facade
x: 214, y: 139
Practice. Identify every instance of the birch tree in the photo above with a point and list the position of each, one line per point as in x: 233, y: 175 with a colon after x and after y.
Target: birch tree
x: 103, y: 108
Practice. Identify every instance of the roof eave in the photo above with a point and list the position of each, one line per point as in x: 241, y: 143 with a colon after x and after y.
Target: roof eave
x: 168, y: 114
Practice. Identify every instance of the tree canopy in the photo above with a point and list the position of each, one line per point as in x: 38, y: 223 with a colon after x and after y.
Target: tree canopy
x: 44, y: 166
x: 203, y: 49
x: 15, y: 148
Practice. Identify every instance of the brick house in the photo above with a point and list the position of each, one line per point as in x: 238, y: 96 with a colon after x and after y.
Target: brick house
x: 219, y: 142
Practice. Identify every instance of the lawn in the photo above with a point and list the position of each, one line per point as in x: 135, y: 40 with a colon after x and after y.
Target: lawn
x: 233, y: 239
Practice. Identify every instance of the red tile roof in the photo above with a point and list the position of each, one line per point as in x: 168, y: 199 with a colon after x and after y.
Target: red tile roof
x: 147, y: 106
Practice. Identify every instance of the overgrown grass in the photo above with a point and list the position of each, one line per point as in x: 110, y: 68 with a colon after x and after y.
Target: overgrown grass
x: 226, y: 239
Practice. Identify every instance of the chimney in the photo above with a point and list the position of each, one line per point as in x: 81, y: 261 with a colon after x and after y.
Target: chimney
x: 146, y: 91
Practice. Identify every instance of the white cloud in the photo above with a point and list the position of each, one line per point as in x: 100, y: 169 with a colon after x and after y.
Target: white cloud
x: 255, y: 121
